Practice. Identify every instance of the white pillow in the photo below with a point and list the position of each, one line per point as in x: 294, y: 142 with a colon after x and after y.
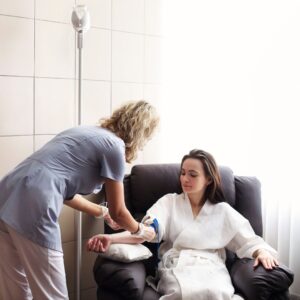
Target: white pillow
x: 127, y: 252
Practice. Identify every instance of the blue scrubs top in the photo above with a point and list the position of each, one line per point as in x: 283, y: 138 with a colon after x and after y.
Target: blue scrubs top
x: 76, y: 161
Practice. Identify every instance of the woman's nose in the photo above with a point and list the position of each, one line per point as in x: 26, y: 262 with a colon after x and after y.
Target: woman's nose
x: 185, y: 178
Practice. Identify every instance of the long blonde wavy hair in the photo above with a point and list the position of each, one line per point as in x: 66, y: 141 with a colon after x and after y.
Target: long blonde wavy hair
x: 134, y: 123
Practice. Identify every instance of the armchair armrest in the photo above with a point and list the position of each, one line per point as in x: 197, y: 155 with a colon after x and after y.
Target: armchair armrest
x: 125, y: 279
x: 259, y: 283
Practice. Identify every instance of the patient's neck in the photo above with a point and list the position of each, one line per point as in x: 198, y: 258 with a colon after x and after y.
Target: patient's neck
x: 196, y: 203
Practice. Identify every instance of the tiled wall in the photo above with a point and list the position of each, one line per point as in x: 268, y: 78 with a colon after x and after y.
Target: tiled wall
x: 38, y: 87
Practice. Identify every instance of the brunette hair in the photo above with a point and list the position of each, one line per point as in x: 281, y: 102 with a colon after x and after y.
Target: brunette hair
x: 134, y: 122
x: 214, y: 190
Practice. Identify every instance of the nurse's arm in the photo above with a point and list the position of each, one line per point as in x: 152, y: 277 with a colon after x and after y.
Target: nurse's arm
x: 78, y: 202
x: 116, y: 205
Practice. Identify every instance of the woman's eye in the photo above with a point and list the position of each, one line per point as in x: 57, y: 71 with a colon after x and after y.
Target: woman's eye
x: 193, y: 175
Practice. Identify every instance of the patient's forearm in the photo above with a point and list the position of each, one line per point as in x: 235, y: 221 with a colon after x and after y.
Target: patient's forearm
x: 125, y: 237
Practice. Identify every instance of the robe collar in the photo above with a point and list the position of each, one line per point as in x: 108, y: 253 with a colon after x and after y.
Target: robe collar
x: 205, y: 210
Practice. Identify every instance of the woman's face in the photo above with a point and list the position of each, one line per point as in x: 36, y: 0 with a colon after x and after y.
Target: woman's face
x: 192, y: 177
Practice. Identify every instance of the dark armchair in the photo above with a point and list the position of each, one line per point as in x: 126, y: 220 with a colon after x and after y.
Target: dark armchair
x: 144, y: 186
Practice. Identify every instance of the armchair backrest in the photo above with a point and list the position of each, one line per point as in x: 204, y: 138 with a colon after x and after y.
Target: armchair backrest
x: 149, y: 182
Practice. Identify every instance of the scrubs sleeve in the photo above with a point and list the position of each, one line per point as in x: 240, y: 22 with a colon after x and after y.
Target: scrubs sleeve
x: 113, y: 163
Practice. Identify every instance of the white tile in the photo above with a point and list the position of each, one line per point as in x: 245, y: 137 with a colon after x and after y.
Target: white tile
x: 96, y: 54
x: 66, y: 222
x: 88, y: 260
x: 128, y: 15
x: 16, y: 102
x: 71, y: 295
x: 13, y: 150
x: 100, y: 12
x: 153, y: 16
x: 90, y: 293
x: 153, y: 93
x: 152, y: 150
x: 55, y: 50
x: 41, y: 140
x: 124, y: 92
x: 95, y: 101
x: 16, y: 51
x: 69, y: 250
x: 128, y: 167
x: 127, y: 57
x: 90, y: 224
x: 18, y: 8
x: 54, y: 10
x: 153, y: 59
x: 54, y: 105
x: 139, y: 160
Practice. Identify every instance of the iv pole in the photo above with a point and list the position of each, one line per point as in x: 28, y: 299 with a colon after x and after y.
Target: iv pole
x: 81, y: 23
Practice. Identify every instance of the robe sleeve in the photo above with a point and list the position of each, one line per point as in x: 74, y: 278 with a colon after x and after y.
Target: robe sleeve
x: 245, y: 242
x: 160, y: 211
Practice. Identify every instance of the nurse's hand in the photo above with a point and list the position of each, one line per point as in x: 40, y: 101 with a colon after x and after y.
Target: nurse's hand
x: 111, y: 223
x: 149, y: 233
x: 145, y: 232
x: 99, y: 243
x: 265, y: 258
x: 103, y: 211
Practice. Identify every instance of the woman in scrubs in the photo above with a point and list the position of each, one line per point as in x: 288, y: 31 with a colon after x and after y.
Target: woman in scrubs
x: 75, y: 162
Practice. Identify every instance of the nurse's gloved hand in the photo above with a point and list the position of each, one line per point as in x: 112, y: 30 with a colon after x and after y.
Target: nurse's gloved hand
x: 148, y: 220
x: 111, y: 223
x: 103, y: 211
x: 145, y: 232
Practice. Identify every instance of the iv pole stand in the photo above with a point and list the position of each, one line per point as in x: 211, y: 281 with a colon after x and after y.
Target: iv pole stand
x: 78, y: 214
x: 81, y: 23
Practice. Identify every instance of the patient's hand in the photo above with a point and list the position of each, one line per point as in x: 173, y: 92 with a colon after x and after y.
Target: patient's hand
x: 111, y: 223
x: 266, y: 259
x: 99, y: 243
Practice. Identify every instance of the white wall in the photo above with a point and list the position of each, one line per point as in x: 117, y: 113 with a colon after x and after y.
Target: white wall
x: 38, y: 94
x: 232, y: 73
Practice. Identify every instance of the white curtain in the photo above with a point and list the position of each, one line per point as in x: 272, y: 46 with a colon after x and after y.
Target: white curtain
x: 232, y: 87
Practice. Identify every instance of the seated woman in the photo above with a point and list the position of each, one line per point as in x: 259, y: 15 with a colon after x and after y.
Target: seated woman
x: 196, y: 227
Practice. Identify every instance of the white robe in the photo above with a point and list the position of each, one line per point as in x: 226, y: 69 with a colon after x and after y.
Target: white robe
x: 193, y: 255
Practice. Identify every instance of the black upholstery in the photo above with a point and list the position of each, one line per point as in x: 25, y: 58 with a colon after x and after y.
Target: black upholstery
x: 149, y: 183
x: 143, y: 187
x: 128, y: 280
x: 261, y: 283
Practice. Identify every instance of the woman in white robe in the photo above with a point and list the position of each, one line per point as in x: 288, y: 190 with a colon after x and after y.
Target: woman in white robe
x: 196, y: 227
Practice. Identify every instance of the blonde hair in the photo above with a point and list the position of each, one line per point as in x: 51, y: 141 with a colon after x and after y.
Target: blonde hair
x: 134, y: 123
